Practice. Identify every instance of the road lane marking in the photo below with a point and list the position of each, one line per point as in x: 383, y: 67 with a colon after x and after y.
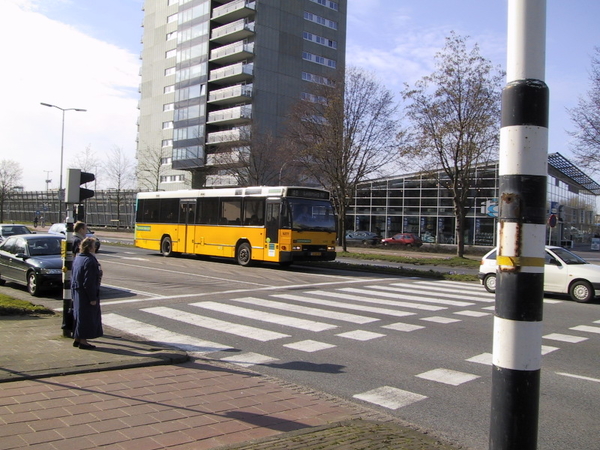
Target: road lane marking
x: 579, y: 377
x: 385, y: 311
x: 399, y: 326
x: 160, y: 335
x: 361, y: 335
x: 586, y: 328
x: 309, y: 346
x: 390, y: 397
x: 439, y: 319
x: 344, y: 317
x: 249, y: 359
x: 409, y: 294
x: 372, y: 299
x: 262, y: 316
x: 447, y: 376
x: 565, y: 338
x: 256, y: 334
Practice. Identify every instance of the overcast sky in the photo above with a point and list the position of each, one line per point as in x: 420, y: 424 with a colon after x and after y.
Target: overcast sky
x: 85, y: 54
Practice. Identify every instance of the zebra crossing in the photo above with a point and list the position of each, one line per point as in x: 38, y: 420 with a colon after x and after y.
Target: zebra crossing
x: 312, y: 320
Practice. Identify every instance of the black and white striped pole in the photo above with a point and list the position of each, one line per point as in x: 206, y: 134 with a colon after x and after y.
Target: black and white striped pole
x: 522, y: 227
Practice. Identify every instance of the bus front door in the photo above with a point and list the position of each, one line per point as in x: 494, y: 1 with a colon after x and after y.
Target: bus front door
x: 187, y: 219
x: 272, y: 229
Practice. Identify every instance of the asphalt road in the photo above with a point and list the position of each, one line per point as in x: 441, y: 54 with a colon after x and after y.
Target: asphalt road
x: 415, y: 348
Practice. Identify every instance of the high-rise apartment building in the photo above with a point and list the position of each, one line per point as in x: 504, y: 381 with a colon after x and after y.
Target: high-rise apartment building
x: 214, y: 71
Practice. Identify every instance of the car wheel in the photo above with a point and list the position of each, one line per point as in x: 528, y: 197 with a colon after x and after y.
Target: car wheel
x: 243, y: 255
x: 582, y: 291
x: 365, y: 243
x: 166, y: 246
x: 32, y: 284
x: 489, y: 282
x: 408, y: 245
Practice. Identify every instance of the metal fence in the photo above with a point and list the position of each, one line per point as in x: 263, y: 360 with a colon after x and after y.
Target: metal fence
x: 107, y: 208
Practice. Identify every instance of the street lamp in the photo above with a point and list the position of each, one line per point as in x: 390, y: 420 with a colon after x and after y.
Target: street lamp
x: 62, y: 142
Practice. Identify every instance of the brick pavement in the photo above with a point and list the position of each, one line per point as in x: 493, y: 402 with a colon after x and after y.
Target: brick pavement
x: 136, y: 395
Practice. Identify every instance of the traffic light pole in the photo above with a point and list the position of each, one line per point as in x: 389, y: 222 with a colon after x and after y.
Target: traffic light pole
x: 523, y: 170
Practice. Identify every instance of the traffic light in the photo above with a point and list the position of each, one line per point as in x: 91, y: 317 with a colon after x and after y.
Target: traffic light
x: 75, y: 178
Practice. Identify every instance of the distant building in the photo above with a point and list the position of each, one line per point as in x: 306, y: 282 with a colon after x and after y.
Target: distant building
x: 212, y: 70
x: 419, y: 203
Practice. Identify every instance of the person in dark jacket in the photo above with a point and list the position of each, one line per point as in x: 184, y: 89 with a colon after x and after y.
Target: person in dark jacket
x: 85, y: 292
x: 79, y: 234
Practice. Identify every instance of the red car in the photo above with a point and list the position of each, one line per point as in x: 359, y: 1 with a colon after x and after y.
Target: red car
x: 406, y: 239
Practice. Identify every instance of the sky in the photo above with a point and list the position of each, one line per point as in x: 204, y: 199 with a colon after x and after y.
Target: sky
x: 85, y: 54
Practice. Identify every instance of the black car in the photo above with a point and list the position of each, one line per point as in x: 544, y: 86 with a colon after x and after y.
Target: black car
x: 10, y: 229
x: 33, y: 260
x: 61, y: 228
x: 362, y: 238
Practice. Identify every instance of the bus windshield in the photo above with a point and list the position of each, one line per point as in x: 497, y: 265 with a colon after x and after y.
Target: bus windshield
x: 311, y: 215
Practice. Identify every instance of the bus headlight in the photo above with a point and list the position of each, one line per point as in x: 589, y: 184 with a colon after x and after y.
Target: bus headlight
x: 296, y: 248
x: 331, y: 248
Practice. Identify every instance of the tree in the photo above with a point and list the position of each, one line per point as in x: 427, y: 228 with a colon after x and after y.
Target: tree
x: 344, y: 131
x: 120, y: 171
x: 255, y: 160
x: 87, y: 162
x: 10, y: 177
x: 151, y: 167
x: 455, y: 120
x: 586, y: 118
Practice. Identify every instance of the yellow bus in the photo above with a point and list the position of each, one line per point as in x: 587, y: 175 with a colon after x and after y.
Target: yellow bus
x: 280, y: 224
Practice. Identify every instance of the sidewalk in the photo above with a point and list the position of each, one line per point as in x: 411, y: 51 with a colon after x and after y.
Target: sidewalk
x: 128, y: 394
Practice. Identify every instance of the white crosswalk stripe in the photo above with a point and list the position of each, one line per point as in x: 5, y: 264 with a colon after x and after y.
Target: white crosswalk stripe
x: 409, y: 294
x: 257, y: 334
x: 447, y: 376
x: 336, y: 315
x: 390, y: 397
x: 372, y: 299
x: 468, y: 294
x: 301, y: 298
x: 262, y: 316
x: 160, y: 335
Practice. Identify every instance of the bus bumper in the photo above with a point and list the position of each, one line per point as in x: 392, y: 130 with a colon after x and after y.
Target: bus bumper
x: 288, y: 257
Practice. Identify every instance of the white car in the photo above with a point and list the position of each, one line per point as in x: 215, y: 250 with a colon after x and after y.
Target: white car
x: 564, y: 273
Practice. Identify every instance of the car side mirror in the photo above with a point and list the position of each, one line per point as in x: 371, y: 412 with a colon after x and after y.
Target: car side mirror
x: 21, y: 255
x: 554, y: 262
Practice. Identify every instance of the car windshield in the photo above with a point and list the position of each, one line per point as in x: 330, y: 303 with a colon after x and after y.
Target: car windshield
x: 567, y: 257
x: 15, y: 229
x: 44, y: 247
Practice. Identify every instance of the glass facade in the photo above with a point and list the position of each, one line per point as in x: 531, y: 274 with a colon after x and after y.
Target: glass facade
x: 422, y: 204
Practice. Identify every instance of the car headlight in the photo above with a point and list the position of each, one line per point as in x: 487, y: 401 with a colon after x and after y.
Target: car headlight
x: 51, y: 271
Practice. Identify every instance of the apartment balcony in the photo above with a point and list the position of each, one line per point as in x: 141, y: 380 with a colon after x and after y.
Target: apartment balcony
x: 233, y: 11
x: 235, y: 31
x: 235, y: 73
x: 231, y: 95
x: 231, y: 116
x: 227, y: 136
x: 231, y: 53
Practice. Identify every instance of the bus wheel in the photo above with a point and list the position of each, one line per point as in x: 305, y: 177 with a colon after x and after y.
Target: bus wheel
x: 244, y: 254
x: 166, y: 246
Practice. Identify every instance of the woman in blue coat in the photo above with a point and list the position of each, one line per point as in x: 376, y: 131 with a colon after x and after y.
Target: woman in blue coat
x: 85, y: 292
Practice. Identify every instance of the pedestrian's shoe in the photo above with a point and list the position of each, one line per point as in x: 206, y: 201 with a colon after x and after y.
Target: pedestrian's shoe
x: 87, y: 346
x: 75, y: 343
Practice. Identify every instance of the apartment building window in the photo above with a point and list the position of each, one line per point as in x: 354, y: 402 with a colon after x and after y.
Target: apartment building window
x: 172, y: 178
x: 319, y: 59
x: 168, y: 106
x: 171, y: 53
x: 313, y: 98
x: 166, y: 160
x: 321, y: 20
x: 193, y: 132
x: 169, y: 89
x: 167, y: 143
x: 193, y: 52
x: 312, y: 78
x: 191, y: 72
x: 327, y: 3
x: 191, y: 112
x: 170, y: 71
x: 194, y: 91
x: 172, y: 18
x: 172, y: 35
x: 319, y: 40
x: 194, y: 12
x: 167, y: 125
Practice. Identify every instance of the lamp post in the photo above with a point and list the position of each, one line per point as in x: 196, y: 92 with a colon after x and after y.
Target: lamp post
x: 62, y: 143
